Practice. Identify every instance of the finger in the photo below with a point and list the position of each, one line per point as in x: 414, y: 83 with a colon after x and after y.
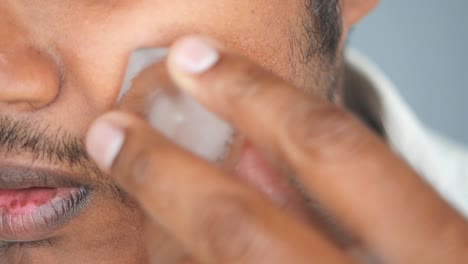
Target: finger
x: 334, y: 156
x: 155, y: 79
x: 162, y: 247
x: 214, y: 217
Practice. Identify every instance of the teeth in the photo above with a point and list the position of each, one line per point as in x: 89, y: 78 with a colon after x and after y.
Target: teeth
x: 174, y: 114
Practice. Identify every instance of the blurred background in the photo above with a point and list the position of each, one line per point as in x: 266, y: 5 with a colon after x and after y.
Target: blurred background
x: 422, y: 46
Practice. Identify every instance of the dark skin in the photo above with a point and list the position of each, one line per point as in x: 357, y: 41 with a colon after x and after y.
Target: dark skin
x: 61, y: 66
x: 65, y: 62
x: 220, y: 220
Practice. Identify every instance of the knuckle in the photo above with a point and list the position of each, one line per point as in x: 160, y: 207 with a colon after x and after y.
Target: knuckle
x: 138, y: 169
x: 137, y: 162
x: 323, y: 131
x: 246, y: 82
x: 142, y: 167
x: 226, y: 229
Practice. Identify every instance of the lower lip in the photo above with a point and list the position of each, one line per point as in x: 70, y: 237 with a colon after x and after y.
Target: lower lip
x: 33, y: 213
x: 257, y: 171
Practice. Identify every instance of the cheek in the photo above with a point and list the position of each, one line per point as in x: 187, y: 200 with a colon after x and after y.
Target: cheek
x: 94, y: 44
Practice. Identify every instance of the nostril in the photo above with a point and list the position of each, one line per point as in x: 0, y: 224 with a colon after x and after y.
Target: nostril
x: 29, y: 79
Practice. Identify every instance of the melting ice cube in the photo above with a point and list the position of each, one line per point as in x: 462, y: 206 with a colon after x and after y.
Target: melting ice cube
x: 175, y: 114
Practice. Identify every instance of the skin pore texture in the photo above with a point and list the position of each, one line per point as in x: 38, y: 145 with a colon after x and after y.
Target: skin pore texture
x: 61, y: 66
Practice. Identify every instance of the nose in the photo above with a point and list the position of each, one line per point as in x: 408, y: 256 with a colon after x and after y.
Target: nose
x: 29, y: 78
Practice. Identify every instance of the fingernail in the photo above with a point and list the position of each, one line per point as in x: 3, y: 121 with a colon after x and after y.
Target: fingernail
x: 103, y: 142
x: 195, y: 55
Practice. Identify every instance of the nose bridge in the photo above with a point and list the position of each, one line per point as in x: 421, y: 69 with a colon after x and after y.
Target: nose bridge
x: 29, y: 77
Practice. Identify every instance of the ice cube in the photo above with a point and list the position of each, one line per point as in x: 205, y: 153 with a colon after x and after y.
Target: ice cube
x: 175, y: 114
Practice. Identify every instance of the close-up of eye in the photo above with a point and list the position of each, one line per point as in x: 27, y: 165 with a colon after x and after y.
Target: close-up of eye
x: 233, y: 132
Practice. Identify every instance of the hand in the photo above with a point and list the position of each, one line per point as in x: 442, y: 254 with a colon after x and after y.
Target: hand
x: 217, y: 219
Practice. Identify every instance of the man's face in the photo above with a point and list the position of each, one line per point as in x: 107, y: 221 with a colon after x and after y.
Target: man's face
x: 61, y: 65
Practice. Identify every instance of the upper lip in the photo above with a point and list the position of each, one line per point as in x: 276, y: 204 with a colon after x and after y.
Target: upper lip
x: 18, y: 177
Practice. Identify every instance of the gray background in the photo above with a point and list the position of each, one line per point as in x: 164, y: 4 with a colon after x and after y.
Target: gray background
x: 421, y: 45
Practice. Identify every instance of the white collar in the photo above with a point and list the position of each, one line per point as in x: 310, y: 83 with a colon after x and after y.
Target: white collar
x: 444, y: 164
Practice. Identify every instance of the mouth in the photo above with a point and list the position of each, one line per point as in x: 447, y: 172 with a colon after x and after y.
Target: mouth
x: 255, y: 169
x: 35, y: 202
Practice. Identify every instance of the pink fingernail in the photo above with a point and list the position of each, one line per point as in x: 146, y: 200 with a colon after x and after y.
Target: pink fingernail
x: 104, y: 142
x: 195, y: 55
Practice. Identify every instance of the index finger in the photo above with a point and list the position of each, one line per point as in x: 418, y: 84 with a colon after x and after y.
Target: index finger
x: 216, y: 218
x: 349, y: 169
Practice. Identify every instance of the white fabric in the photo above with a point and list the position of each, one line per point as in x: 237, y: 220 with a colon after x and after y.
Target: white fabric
x: 443, y: 163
